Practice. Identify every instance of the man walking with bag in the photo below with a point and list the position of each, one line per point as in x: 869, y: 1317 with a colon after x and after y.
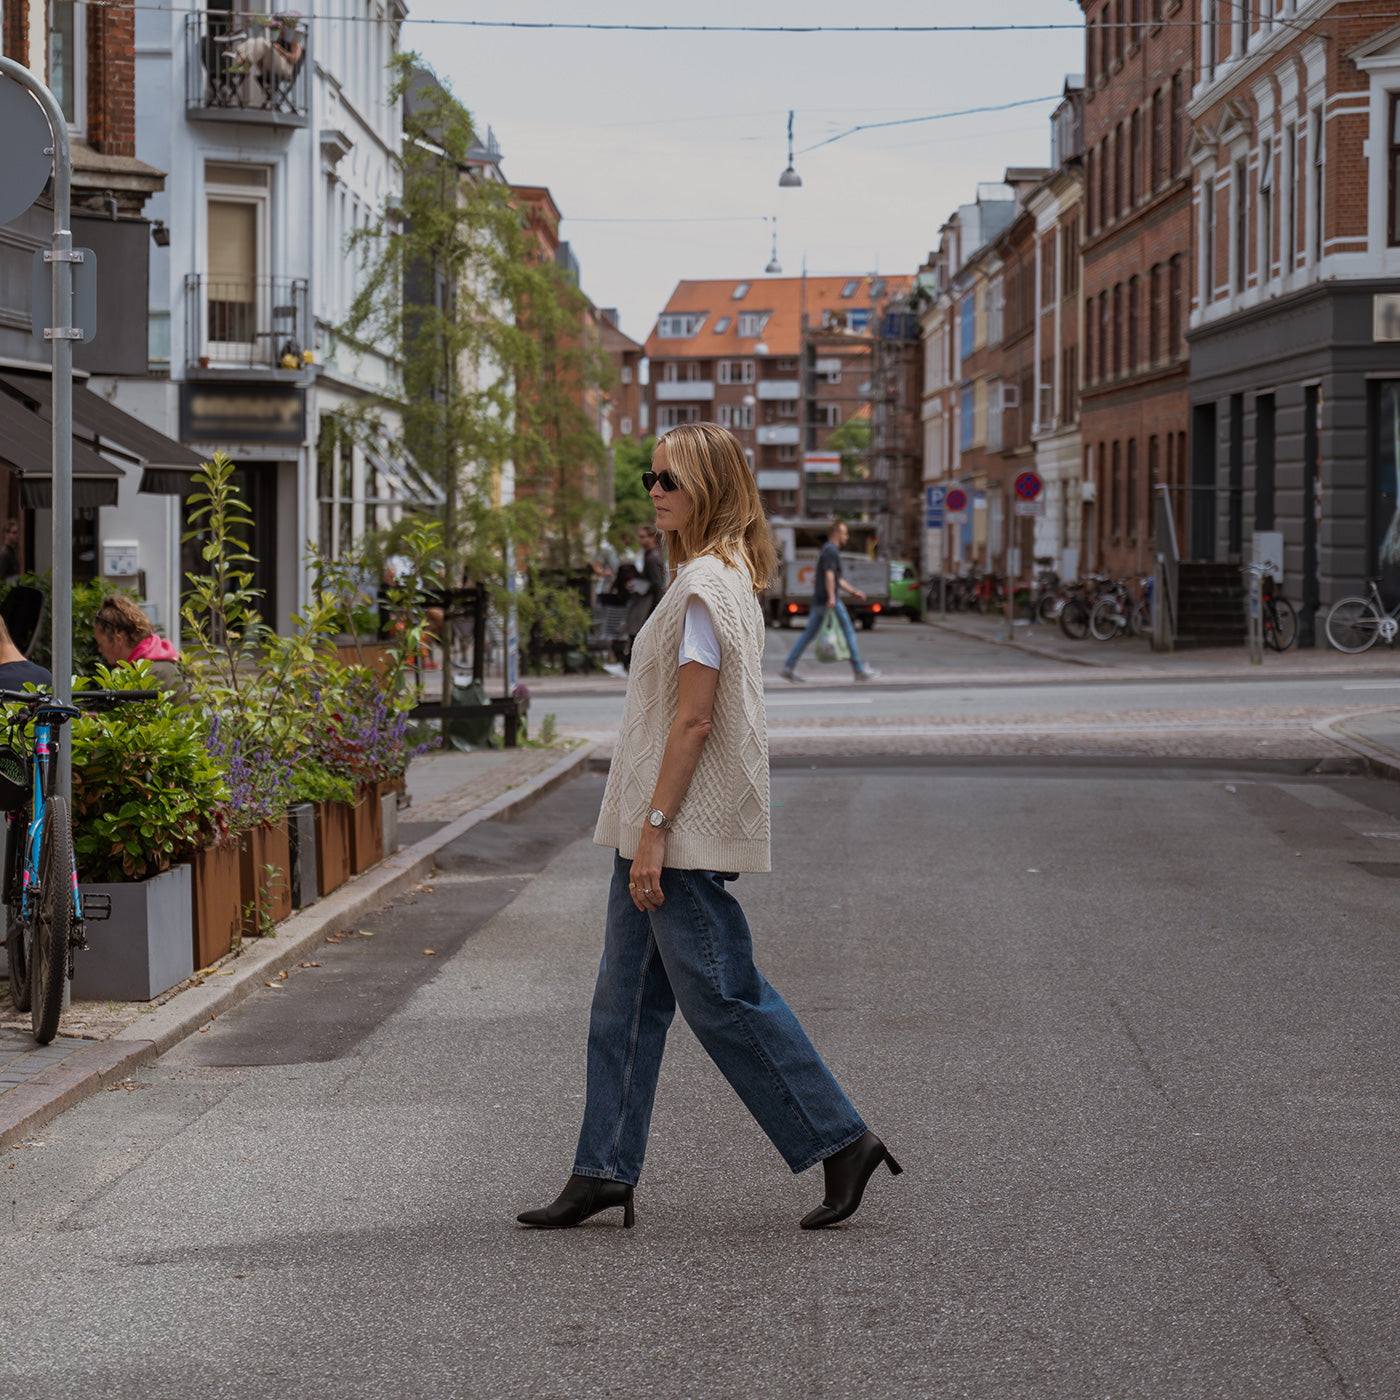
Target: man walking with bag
x: 827, y: 588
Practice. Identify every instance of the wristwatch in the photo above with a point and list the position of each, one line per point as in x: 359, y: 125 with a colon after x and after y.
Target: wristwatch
x: 658, y: 819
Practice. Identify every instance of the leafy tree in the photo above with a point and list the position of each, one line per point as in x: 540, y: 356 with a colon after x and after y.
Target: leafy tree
x: 631, y: 504
x: 852, y: 441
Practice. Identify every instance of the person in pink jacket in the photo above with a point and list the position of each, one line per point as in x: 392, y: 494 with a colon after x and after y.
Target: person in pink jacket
x: 124, y: 633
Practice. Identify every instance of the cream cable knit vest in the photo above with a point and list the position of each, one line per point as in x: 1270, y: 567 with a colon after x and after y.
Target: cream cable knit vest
x: 723, y: 822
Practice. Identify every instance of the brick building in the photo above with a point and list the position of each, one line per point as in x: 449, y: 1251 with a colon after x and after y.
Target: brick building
x: 1295, y: 324
x: 732, y: 351
x: 626, y: 408
x: 1137, y: 234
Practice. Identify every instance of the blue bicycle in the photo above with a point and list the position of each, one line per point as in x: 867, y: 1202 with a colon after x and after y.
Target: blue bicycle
x: 46, y: 918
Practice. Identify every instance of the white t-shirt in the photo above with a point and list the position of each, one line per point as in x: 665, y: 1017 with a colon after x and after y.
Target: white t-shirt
x: 698, y: 640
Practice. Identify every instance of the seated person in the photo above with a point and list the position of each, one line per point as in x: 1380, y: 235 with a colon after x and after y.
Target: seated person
x: 124, y: 633
x: 16, y: 669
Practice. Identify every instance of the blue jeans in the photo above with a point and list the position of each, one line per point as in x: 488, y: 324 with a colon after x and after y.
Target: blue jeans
x: 696, y: 951
x: 814, y: 622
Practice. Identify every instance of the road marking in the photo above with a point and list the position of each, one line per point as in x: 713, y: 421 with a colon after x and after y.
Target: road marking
x: 1373, y: 685
x: 816, y: 700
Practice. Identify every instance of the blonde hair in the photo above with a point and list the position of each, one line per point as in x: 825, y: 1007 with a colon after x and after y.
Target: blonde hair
x: 119, y: 615
x: 726, y: 516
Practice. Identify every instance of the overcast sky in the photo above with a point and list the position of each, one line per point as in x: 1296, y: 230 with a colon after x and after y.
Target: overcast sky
x: 683, y: 126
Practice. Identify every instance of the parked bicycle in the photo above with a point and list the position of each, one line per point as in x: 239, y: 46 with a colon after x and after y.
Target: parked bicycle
x: 1118, y: 613
x: 1078, y: 605
x: 45, y: 911
x: 1279, y: 620
x: 1355, y: 623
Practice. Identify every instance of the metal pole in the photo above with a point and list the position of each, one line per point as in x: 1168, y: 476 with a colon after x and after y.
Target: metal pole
x: 61, y: 336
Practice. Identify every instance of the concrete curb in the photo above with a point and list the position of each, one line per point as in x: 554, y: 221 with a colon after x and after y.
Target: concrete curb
x: 28, y: 1106
x: 1379, y: 763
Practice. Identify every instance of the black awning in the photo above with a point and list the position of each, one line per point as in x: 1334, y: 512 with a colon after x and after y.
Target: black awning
x: 26, y: 447
x: 101, y: 424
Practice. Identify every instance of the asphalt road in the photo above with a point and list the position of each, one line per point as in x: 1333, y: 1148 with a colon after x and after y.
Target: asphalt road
x: 1132, y: 1032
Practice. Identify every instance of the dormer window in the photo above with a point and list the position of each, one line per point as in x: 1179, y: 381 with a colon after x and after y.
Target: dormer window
x: 751, y: 323
x: 741, y: 291
x: 877, y: 289
x: 849, y: 290
x: 722, y: 325
x: 680, y: 327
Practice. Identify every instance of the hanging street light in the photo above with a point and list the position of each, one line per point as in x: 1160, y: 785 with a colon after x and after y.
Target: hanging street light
x: 774, y: 266
x: 789, y: 179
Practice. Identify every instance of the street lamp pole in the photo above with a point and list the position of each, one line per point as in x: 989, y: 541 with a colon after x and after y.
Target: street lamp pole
x: 60, y: 335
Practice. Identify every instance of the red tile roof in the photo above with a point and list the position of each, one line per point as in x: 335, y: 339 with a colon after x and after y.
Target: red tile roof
x: 782, y: 296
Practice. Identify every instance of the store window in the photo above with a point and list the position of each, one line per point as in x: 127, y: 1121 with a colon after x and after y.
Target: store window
x: 68, y: 61
x: 1384, y: 516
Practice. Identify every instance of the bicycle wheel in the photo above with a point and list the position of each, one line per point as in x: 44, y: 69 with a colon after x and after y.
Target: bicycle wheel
x: 1353, y: 625
x: 1106, y: 620
x: 53, y: 923
x: 1280, y: 624
x: 1140, y: 620
x: 1074, y: 619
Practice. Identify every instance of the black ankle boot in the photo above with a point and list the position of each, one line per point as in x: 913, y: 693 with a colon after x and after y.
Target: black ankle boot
x: 847, y: 1172
x: 581, y: 1197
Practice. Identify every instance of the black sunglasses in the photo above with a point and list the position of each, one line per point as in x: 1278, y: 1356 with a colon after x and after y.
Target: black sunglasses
x: 667, y: 480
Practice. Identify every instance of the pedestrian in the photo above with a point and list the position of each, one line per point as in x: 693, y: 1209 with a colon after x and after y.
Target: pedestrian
x: 9, y: 552
x: 646, y: 586
x: 123, y: 632
x: 827, y: 588
x: 685, y: 809
x: 16, y: 669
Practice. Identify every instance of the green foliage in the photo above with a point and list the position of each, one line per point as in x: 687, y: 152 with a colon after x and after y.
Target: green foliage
x: 631, y: 504
x: 313, y: 782
x: 145, y: 786
x: 852, y: 441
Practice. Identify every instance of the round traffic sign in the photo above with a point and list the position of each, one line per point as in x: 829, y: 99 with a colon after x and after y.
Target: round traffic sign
x: 24, y: 168
x: 957, y: 500
x: 1028, y: 486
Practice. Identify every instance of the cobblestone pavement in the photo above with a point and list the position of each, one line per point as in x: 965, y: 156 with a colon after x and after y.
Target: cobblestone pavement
x: 22, y: 1060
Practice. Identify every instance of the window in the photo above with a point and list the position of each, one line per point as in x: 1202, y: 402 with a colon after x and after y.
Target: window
x: 995, y: 312
x: 1048, y: 248
x: 1207, y: 290
x: 1264, y: 420
x: 857, y: 318
x: 721, y: 325
x: 1318, y: 159
x: 680, y: 326
x: 736, y: 371
x: 738, y: 415
x: 1091, y: 76
x: 1105, y: 180
x: 787, y: 452
x: 1103, y: 335
x: 1266, y: 210
x: 673, y: 415
x: 740, y: 292
x: 1290, y: 231
x: 1119, y: 31
x: 236, y: 309
x: 1130, y: 358
x: 851, y: 287
x: 995, y: 414
x: 787, y: 408
x: 1178, y: 117
x: 1117, y: 366
x: 1115, y: 491
x: 829, y: 415
x: 1069, y: 258
x: 751, y: 323
x: 626, y: 374
x: 1240, y: 191
x: 967, y: 325
x: 1089, y: 340
x: 1132, y: 492
x: 832, y: 374
x: 68, y: 59
x: 1156, y: 142
x: 625, y: 427
x: 967, y: 417
x: 877, y: 289
x: 1069, y: 384
x: 1134, y: 157
x: 787, y: 366
x: 1174, y: 316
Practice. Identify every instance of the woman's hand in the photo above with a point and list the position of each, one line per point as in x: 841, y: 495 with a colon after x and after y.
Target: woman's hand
x: 646, y: 870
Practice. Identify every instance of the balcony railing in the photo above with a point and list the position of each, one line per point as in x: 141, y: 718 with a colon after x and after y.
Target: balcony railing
x: 685, y: 390
x: 246, y: 322
x: 247, y: 68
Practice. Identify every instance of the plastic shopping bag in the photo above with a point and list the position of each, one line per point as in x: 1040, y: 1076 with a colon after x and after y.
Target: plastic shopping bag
x: 831, y: 641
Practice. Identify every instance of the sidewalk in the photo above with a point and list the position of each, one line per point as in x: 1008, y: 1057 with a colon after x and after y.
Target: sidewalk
x: 1374, y: 734
x: 1134, y: 655
x: 100, y: 1043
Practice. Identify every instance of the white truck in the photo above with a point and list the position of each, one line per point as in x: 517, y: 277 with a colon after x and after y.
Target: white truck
x: 798, y: 543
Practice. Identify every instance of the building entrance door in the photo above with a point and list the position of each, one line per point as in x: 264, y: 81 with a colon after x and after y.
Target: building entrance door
x: 1203, y: 447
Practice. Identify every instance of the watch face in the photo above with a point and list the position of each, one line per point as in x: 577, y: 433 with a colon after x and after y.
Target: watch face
x: 657, y: 818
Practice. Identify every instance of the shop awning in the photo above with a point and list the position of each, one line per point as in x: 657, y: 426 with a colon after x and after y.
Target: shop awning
x: 166, y: 464
x: 26, y: 446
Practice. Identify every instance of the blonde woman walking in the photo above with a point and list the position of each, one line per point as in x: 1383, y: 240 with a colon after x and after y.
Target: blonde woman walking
x: 686, y: 810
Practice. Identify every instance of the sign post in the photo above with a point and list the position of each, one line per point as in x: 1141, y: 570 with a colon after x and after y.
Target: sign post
x: 16, y: 156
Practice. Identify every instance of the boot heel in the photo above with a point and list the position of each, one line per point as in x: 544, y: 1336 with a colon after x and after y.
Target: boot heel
x: 629, y: 1216
x: 895, y: 1168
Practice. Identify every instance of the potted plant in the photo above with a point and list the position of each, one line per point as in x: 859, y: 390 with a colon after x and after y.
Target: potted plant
x: 322, y: 859
x: 144, y: 785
